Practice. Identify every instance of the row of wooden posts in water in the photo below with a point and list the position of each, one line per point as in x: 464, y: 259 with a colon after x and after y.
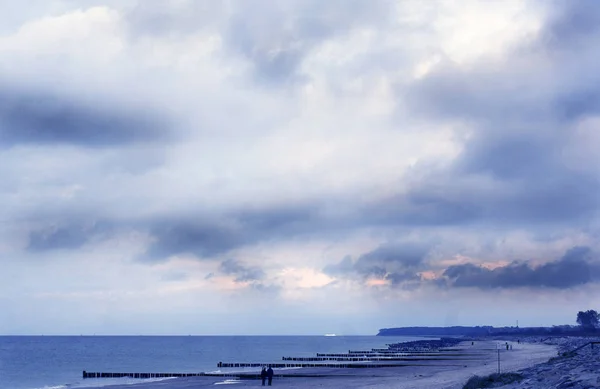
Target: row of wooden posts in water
x: 355, y: 359
x: 87, y: 374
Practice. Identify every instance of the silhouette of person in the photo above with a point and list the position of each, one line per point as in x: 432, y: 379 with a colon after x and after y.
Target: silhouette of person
x: 263, y: 375
x: 270, y: 375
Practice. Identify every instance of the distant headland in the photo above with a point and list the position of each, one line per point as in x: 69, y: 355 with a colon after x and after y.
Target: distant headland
x: 477, y: 331
x: 588, y: 325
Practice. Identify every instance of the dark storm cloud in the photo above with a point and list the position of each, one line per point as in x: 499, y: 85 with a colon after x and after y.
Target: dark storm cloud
x: 253, y: 277
x: 203, y: 239
x: 569, y: 39
x: 208, y: 236
x: 484, y: 94
x: 397, y: 263
x: 400, y: 278
x: 577, y: 267
x: 580, y: 103
x: 36, y: 117
x: 506, y: 179
x: 510, y: 156
x: 422, y: 206
x: 451, y: 198
x: 407, y: 255
x: 201, y: 234
x: 241, y: 272
x: 523, y: 177
x: 572, y: 24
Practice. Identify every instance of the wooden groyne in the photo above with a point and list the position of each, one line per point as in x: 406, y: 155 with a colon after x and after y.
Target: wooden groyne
x: 330, y: 365
x: 399, y: 358
x: 87, y: 374
x: 403, y: 351
x: 394, y: 356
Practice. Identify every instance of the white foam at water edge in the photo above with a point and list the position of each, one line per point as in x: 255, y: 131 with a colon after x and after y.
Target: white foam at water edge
x: 228, y: 382
x: 95, y: 382
x: 54, y: 387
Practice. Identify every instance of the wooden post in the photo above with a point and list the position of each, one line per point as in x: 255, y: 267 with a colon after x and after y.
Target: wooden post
x: 498, y: 361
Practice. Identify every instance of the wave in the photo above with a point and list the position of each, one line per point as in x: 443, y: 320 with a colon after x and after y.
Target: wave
x: 53, y: 387
x: 228, y: 382
x: 98, y: 383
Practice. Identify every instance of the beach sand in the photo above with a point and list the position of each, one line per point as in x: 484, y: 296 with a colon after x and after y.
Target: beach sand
x: 430, y: 375
x: 578, y: 367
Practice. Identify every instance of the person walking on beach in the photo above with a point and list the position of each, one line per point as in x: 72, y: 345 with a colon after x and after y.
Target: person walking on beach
x: 263, y: 375
x: 270, y: 375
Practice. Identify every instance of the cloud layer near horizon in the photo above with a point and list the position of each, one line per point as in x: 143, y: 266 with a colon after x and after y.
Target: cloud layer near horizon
x: 331, y: 160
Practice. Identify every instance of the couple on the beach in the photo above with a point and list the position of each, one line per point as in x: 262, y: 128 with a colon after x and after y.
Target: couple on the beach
x: 264, y: 374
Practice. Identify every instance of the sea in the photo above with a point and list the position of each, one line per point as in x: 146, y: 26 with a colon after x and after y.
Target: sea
x: 57, y: 362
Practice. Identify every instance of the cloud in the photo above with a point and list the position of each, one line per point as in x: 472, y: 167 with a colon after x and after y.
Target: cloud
x: 571, y: 25
x: 407, y: 255
x: 154, y: 18
x: 274, y: 38
x: 576, y: 267
x: 36, y: 117
x: 505, y: 180
x: 68, y: 237
x: 517, y: 124
x: 345, y: 266
x: 200, y: 238
x: 57, y: 238
x: 252, y: 277
x: 241, y: 272
x: 228, y: 141
x: 211, y: 234
x: 395, y: 262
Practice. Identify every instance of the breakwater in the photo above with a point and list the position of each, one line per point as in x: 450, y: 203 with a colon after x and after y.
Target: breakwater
x: 418, y: 353
x: 87, y: 374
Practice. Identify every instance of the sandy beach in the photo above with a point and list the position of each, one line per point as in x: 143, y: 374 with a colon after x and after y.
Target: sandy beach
x: 424, y: 374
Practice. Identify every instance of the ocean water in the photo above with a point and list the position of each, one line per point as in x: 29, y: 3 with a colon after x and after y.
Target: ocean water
x: 57, y: 362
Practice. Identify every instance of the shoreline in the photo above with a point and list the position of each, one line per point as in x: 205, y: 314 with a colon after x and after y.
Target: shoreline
x: 448, y: 374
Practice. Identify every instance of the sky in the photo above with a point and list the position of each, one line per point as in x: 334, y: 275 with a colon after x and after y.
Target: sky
x: 297, y: 166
